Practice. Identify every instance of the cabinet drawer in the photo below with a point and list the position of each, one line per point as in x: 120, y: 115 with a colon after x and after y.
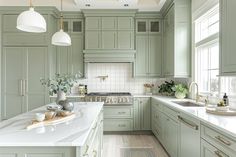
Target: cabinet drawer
x: 118, y: 112
x: 208, y: 150
x: 214, y: 137
x: 171, y: 113
x: 156, y: 105
x: 118, y: 124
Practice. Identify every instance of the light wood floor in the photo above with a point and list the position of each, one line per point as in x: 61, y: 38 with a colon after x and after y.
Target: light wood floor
x: 113, y: 144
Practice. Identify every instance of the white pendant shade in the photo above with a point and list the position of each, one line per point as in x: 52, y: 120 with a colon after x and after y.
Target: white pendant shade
x: 61, y: 38
x: 31, y: 21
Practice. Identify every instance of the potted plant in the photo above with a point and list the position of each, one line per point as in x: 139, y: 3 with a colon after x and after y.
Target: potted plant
x: 166, y: 88
x: 148, y: 88
x: 181, y: 91
x: 60, y: 84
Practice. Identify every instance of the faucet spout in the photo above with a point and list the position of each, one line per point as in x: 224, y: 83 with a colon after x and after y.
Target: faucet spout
x: 197, y: 93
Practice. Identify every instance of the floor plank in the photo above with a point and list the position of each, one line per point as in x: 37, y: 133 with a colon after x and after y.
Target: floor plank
x: 113, y: 144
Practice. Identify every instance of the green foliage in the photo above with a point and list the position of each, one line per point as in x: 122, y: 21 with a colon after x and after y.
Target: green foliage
x: 181, y: 88
x: 61, y: 82
x: 166, y: 88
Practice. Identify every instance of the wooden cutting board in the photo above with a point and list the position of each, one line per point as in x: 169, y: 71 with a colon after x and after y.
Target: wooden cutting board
x: 56, y: 120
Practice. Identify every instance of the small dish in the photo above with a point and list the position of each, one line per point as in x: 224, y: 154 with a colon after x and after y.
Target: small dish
x: 40, y: 117
x: 50, y: 114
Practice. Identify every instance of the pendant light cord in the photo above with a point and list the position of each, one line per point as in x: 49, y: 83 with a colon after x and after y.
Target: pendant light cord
x: 61, y: 18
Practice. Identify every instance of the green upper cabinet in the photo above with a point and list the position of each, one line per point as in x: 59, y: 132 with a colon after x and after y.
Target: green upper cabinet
x: 109, y: 33
x: 142, y: 114
x: 148, y: 61
x: 228, y: 37
x: 150, y: 26
x: 177, y: 40
x: 93, y: 23
x: 70, y: 59
x: 109, y: 23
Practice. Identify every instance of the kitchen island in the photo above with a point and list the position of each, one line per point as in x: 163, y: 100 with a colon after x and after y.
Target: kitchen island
x: 81, y: 136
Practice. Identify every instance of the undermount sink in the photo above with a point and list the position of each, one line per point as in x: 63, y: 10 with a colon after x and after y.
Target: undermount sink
x: 188, y: 104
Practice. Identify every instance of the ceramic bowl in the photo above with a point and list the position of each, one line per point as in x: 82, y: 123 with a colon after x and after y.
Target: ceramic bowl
x: 40, y: 117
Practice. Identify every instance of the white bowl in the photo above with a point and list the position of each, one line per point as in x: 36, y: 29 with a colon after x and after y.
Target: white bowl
x: 223, y: 108
x: 40, y: 117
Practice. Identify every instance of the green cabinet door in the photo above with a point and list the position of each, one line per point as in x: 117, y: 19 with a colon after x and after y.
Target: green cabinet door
x: 37, y: 65
x: 22, y: 70
x: 77, y: 56
x: 142, y: 114
x: 171, y: 135
x: 125, y: 40
x: 228, y: 37
x: 155, y: 55
x: 109, y: 39
x: 145, y: 108
x: 93, y: 23
x: 63, y: 60
x: 13, y: 72
x: 109, y: 23
x: 93, y: 39
x: 141, y: 58
x: 137, y: 117
x: 125, y: 23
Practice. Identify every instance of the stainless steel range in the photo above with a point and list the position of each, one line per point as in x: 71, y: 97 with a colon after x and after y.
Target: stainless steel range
x: 110, y: 98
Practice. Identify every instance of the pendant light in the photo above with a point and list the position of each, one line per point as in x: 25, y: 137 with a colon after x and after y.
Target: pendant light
x: 31, y: 21
x: 61, y: 38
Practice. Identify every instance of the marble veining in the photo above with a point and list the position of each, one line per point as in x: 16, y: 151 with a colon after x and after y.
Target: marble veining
x: 71, y: 133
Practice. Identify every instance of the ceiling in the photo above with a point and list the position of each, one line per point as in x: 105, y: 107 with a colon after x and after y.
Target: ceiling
x: 76, y: 5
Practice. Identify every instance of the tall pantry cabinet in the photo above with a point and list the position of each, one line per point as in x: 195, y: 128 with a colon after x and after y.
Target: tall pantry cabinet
x: 25, y: 58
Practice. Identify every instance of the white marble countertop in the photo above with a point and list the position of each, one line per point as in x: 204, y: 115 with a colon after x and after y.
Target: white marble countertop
x: 225, y: 124
x: 71, y: 133
x: 74, y: 95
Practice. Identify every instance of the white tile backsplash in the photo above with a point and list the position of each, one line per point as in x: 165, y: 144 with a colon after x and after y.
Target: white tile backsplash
x: 119, y: 79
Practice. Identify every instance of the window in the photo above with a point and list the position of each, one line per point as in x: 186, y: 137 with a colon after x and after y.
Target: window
x: 207, y: 52
x: 207, y: 58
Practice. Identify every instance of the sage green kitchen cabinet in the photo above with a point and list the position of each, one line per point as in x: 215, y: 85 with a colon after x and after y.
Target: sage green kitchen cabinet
x: 170, y: 135
x: 22, y: 69
x: 118, y: 118
x: 208, y: 150
x: 228, y: 37
x: 148, y: 60
x: 142, y: 114
x: 177, y: 40
x: 109, y: 33
x: 189, y: 129
x: 150, y: 26
x: 70, y: 59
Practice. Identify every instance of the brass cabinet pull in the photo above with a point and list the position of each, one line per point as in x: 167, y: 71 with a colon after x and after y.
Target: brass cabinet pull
x: 222, y: 140
x: 121, y: 112
x: 21, y: 87
x: 95, y: 126
x: 122, y: 125
x: 193, y: 126
x: 220, y: 154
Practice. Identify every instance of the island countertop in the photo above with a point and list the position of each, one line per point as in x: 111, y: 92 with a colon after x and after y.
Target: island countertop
x: 74, y: 132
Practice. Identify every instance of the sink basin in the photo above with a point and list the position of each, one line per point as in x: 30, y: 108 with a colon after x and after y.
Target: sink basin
x: 188, y: 104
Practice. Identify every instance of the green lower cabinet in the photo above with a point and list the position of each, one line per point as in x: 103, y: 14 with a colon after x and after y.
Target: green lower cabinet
x: 142, y: 114
x: 208, y: 150
x: 170, y: 136
x: 118, y: 118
